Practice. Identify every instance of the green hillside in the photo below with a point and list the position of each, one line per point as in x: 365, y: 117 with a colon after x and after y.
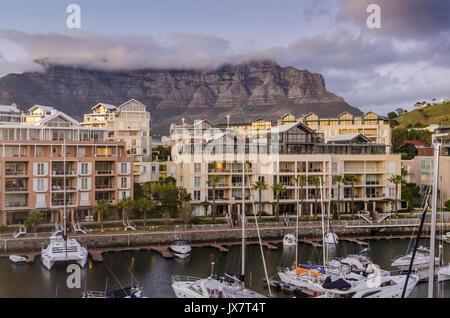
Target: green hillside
x: 433, y: 114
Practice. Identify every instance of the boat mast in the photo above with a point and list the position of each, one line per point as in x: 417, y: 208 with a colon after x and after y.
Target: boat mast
x: 65, y: 194
x: 323, y: 224
x: 433, y: 219
x: 243, y: 217
x: 296, y: 230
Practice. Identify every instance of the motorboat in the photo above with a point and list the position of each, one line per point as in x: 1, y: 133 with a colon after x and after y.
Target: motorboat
x: 289, y: 240
x: 16, y: 259
x: 421, y: 260
x: 128, y: 292
x: 181, y: 248
x: 383, y: 287
x: 60, y: 251
x: 444, y: 273
x: 331, y: 238
x: 192, y: 287
x: 446, y: 237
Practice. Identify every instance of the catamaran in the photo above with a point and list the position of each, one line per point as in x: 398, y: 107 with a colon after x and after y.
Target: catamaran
x: 218, y: 287
x: 61, y: 249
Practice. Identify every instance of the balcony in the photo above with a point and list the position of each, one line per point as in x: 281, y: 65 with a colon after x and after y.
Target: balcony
x: 57, y: 188
x: 105, y: 172
x: 57, y: 203
x: 104, y: 186
x: 15, y: 204
x: 16, y: 189
x: 57, y: 173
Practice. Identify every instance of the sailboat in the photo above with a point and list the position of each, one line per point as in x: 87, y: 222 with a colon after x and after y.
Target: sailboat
x: 61, y: 248
x: 218, y: 287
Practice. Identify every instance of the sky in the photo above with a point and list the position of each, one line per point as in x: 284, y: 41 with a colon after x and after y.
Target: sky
x: 404, y: 61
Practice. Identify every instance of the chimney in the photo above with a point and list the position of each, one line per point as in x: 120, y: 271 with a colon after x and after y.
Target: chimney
x: 182, y: 121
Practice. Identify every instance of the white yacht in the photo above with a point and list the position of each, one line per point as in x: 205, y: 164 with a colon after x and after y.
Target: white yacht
x: 180, y: 248
x: 289, y: 240
x: 331, y: 238
x: 421, y: 262
x: 59, y: 251
x: 444, y: 273
x: 191, y: 287
x: 128, y: 292
x: 386, y: 287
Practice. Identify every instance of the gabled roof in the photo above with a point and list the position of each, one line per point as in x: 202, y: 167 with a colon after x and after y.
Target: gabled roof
x: 44, y: 108
x: 58, y: 114
x: 286, y: 127
x: 12, y: 108
x: 414, y: 143
x: 132, y: 100
x: 196, y: 123
x: 348, y: 137
x: 107, y: 106
x: 346, y: 112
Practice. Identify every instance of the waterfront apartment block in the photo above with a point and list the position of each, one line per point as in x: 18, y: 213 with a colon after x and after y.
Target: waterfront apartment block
x: 420, y: 170
x: 202, y: 150
x: 51, y: 162
x: 130, y: 123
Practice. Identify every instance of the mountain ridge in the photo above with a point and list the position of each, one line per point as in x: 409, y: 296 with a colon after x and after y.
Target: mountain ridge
x: 245, y: 92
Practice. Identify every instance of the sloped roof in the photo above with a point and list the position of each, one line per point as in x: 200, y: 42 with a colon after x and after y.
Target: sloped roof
x: 108, y: 106
x: 11, y: 108
x: 45, y: 108
x: 58, y: 114
x: 348, y: 137
x: 133, y: 100
x: 286, y: 127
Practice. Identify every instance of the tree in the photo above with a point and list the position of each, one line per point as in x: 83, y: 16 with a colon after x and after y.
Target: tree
x: 352, y: 179
x: 34, y: 219
x: 301, y: 181
x: 315, y: 181
x: 260, y: 186
x: 144, y: 206
x: 278, y: 189
x: 102, y: 210
x: 167, y: 196
x: 447, y: 205
x: 184, y: 198
x: 213, y: 181
x: 338, y: 179
x: 126, y: 205
x: 392, y: 115
x: 397, y: 180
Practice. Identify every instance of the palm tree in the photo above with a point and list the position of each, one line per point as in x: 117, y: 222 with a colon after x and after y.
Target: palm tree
x: 213, y: 180
x: 396, y: 179
x: 338, y: 179
x: 102, y: 210
x: 279, y: 189
x: 260, y: 186
x: 183, y: 197
x: 34, y: 219
x: 127, y: 204
x: 301, y: 180
x: 314, y: 180
x: 144, y: 206
x: 351, y: 179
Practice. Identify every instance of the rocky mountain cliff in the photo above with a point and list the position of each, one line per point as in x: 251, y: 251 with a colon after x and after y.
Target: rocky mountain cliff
x: 260, y: 89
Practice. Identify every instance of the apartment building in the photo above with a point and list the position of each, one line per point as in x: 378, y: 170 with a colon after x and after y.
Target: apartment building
x: 278, y: 156
x: 420, y: 170
x: 130, y: 123
x: 371, y: 125
x: 51, y: 161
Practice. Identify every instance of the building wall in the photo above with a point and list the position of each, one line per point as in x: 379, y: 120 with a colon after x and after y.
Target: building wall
x: 31, y: 182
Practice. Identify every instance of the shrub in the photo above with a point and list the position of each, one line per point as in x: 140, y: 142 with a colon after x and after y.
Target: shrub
x: 447, y: 205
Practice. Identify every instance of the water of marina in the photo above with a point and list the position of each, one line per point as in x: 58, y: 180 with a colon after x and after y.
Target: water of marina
x: 154, y: 272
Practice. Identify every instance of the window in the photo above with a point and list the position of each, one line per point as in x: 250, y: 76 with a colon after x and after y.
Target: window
x: 123, y: 167
x: 123, y: 183
x: 84, y: 168
x: 84, y: 183
x: 81, y: 152
x: 40, y: 169
x: 197, y: 195
x: 197, y: 167
x: 197, y: 181
x: 334, y: 166
x: 39, y: 152
x: 41, y: 185
x: 391, y: 192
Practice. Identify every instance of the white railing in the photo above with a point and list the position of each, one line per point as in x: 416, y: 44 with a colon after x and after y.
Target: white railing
x: 387, y: 223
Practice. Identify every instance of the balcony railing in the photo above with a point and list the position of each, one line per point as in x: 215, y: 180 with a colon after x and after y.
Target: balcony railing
x: 105, y: 172
x: 61, y: 202
x: 61, y: 188
x: 61, y: 172
x: 104, y: 186
x: 18, y: 204
x: 16, y: 189
x: 16, y: 173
